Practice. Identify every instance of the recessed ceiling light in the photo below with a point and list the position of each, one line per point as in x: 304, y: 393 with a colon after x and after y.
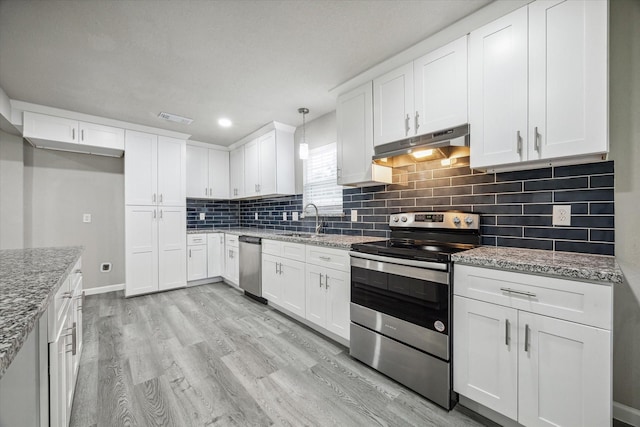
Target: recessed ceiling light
x: 224, y: 122
x: 175, y: 118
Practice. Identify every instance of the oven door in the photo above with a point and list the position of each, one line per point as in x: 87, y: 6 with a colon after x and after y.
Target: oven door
x: 406, y: 300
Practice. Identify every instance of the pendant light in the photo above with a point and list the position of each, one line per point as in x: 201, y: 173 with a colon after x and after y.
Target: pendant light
x: 304, y: 147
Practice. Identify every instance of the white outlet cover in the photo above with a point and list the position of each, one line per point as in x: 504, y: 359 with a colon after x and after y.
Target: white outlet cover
x: 255, y: 216
x: 354, y: 215
x: 561, y: 215
x: 295, y: 216
x: 201, y: 216
x: 86, y: 218
x: 284, y: 216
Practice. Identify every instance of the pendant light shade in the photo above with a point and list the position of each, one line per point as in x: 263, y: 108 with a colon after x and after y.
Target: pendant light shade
x: 304, y: 147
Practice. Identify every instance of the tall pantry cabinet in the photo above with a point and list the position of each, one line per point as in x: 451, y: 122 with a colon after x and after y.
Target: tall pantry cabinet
x: 155, y: 219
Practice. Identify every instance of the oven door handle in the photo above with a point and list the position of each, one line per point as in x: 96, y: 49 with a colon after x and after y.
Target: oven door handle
x: 401, y: 261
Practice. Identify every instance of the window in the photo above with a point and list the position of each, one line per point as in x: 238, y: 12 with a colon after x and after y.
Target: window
x: 320, y: 180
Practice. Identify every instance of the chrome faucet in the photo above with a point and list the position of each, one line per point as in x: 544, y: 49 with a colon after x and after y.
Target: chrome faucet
x: 318, y: 224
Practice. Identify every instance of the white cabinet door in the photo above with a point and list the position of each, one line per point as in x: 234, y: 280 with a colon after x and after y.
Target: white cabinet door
x: 272, y: 279
x: 172, y: 245
x: 58, y: 383
x: 101, y: 136
x: 268, y: 164
x: 316, y: 296
x: 564, y: 376
x: 568, y: 95
x: 231, y: 265
x: 42, y: 126
x: 393, y: 113
x: 236, y: 173
x: 251, y: 168
x: 485, y: 356
x: 140, y: 168
x: 218, y: 174
x: 292, y: 274
x: 197, y: 172
x: 440, y: 79
x: 498, y: 91
x: 197, y: 262
x: 215, y: 255
x: 354, y: 116
x: 141, y: 236
x: 171, y: 171
x: 338, y: 289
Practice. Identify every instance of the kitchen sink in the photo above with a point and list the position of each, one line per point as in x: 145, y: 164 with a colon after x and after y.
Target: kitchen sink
x: 303, y: 235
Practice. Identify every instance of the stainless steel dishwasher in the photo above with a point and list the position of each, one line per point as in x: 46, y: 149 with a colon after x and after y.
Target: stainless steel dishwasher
x: 250, y: 270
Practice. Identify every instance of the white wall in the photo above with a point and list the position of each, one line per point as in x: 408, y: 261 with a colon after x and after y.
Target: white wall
x: 59, y: 188
x: 11, y: 184
x: 625, y: 151
x: 320, y: 131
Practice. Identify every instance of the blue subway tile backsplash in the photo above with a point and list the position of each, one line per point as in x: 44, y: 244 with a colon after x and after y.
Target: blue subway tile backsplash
x: 515, y: 207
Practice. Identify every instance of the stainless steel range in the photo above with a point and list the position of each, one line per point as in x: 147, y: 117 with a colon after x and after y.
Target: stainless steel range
x: 401, y: 296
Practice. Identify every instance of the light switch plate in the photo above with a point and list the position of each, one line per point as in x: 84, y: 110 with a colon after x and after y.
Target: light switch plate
x: 86, y: 218
x: 354, y: 215
x: 201, y: 216
x: 255, y: 216
x: 295, y: 216
x: 284, y: 216
x: 561, y: 215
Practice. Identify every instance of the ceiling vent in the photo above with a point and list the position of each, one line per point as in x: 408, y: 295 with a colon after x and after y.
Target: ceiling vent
x: 175, y: 118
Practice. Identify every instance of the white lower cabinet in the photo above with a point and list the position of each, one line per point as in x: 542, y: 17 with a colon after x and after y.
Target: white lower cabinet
x: 283, y: 275
x: 196, y: 262
x: 215, y: 252
x: 533, y: 368
x: 327, y: 299
x: 231, y: 259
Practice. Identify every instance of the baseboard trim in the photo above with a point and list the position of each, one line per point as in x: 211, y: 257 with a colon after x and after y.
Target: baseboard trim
x: 104, y: 289
x: 626, y: 414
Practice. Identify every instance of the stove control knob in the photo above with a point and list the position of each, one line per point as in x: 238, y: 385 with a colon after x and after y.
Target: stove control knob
x: 468, y: 220
x: 456, y: 220
x: 395, y: 219
x: 403, y: 218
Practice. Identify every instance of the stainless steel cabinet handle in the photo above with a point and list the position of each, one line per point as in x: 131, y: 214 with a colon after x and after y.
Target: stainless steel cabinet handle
x: 536, y: 139
x: 189, y: 253
x: 154, y: 214
x: 519, y: 142
x: 78, y: 271
x: 73, y: 134
x: 205, y: 191
x: 82, y: 135
x: 325, y: 258
x: 67, y: 295
x: 416, y: 122
x: 153, y: 198
x: 526, y: 337
x: 74, y: 339
x: 406, y: 125
x: 326, y: 281
x: 160, y: 213
x: 160, y: 197
x: 320, y: 279
x: 507, y: 332
x: 513, y: 291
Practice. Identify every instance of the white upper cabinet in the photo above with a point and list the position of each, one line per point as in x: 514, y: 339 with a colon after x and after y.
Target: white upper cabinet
x: 538, y: 85
x: 269, y: 164
x: 64, y: 134
x: 498, y: 91
x: 236, y: 173
x: 154, y: 170
x: 354, y: 116
x: 568, y: 95
x: 440, y: 84
x: 424, y: 96
x: 207, y: 173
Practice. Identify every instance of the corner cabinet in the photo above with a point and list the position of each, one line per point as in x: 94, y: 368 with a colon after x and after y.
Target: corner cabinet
x: 155, y: 213
x: 207, y: 171
x: 538, y: 86
x: 354, y: 116
x: 426, y: 95
x: 534, y: 349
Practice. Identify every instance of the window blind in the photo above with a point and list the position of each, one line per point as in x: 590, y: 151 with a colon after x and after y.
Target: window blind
x: 320, y: 180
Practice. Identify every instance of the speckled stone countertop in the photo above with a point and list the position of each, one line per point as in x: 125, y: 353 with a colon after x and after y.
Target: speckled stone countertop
x: 338, y: 241
x: 28, y: 280
x: 567, y: 265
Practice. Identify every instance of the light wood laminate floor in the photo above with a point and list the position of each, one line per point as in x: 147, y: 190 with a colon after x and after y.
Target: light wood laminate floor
x: 209, y: 356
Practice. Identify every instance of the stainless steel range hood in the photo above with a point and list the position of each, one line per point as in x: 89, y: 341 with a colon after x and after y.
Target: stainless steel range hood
x: 453, y: 137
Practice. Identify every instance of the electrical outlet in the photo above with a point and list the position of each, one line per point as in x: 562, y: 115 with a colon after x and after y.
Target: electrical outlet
x: 284, y: 216
x: 561, y: 215
x: 86, y: 218
x: 354, y: 215
x: 105, y: 267
x: 295, y: 216
x: 255, y: 216
x: 201, y: 216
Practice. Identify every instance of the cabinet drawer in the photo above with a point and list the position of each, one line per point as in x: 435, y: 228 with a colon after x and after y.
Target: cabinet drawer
x: 231, y: 240
x: 294, y: 251
x: 196, y: 239
x: 328, y: 257
x: 581, y: 302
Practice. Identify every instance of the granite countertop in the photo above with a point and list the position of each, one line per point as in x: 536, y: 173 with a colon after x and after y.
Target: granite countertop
x: 338, y: 241
x: 29, y: 278
x: 567, y: 265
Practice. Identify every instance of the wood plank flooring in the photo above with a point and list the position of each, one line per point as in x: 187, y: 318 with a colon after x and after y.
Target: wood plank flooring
x: 209, y: 356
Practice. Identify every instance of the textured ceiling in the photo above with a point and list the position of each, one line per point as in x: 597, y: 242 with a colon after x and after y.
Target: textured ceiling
x: 252, y: 61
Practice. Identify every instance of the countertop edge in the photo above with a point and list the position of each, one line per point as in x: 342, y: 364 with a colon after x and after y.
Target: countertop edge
x: 8, y: 356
